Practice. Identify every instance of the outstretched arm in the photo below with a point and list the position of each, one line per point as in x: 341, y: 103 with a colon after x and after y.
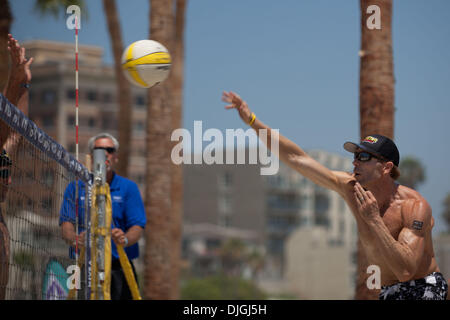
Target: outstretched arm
x: 19, y: 77
x: 289, y: 152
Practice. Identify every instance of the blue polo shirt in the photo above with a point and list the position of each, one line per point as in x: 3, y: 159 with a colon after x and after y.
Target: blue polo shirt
x: 127, y: 209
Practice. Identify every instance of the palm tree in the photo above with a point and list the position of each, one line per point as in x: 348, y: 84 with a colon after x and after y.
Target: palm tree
x: 412, y: 172
x: 176, y: 82
x: 123, y: 86
x: 6, y: 20
x: 446, y: 213
x: 158, y: 248
x: 55, y: 7
x: 376, y: 87
x: 233, y: 255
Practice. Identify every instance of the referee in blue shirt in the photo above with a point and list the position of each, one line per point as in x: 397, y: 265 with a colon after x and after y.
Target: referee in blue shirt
x: 128, y: 215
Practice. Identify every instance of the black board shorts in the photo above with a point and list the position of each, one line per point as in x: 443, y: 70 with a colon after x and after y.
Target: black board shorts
x: 431, y: 287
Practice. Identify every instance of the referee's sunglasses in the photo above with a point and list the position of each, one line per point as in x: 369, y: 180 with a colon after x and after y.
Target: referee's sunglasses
x: 110, y: 150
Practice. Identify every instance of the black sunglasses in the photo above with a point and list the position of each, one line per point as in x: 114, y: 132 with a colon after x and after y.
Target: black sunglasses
x: 364, y: 156
x: 110, y: 150
x: 5, y: 173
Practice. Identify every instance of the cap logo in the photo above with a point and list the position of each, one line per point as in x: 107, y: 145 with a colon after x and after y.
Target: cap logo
x: 370, y: 139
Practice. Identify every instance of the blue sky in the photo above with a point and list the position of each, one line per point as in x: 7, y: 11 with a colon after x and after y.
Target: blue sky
x: 296, y: 63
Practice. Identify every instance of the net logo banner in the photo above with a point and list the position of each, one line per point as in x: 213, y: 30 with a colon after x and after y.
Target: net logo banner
x: 17, y: 120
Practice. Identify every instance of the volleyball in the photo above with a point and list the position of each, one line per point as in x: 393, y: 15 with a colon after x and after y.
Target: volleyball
x: 146, y: 63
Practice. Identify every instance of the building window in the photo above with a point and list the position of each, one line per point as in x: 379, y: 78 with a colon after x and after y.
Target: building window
x: 48, y: 178
x: 31, y: 95
x: 109, y: 123
x: 107, y: 97
x: 71, y: 120
x: 140, y: 179
x: 47, y: 122
x: 224, y: 220
x: 139, y: 126
x: 70, y: 94
x: 91, y: 123
x: 47, y: 204
x: 48, y: 97
x: 225, y: 203
x: 92, y: 95
x: 275, y: 245
x: 321, y: 206
x: 139, y: 101
x: 226, y: 180
x: 322, y: 202
x: 284, y: 201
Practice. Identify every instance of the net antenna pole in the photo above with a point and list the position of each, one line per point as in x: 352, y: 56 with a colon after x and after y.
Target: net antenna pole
x: 87, y: 223
x: 99, y: 181
x: 76, y: 143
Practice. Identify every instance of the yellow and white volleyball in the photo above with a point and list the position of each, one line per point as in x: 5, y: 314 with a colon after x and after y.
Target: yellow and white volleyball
x: 146, y: 63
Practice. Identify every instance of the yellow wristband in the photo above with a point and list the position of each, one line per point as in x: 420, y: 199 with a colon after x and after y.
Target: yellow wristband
x: 253, y: 119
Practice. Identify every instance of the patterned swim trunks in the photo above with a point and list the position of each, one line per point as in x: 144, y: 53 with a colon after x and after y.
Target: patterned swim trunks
x: 432, y: 287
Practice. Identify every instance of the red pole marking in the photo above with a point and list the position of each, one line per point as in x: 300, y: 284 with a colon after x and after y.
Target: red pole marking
x: 76, y: 134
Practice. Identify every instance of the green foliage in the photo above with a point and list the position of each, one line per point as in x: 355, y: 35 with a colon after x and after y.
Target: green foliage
x: 412, y: 172
x: 56, y: 7
x: 23, y: 259
x: 220, y: 287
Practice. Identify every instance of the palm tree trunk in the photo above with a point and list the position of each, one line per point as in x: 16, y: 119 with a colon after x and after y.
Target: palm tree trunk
x: 176, y: 83
x: 376, y: 100
x: 376, y: 85
x: 158, y: 248
x: 6, y: 20
x: 123, y: 86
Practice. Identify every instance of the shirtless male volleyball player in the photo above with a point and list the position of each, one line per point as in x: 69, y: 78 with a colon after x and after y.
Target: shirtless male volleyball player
x: 394, y: 222
x: 16, y: 91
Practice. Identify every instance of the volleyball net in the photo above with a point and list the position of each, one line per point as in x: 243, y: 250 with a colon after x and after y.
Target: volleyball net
x: 35, y: 172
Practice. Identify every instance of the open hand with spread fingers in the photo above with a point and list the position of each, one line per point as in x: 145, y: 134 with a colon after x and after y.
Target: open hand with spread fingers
x: 366, y: 203
x: 20, y: 65
x: 236, y: 102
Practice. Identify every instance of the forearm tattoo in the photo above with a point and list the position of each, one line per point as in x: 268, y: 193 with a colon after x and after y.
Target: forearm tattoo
x: 417, y: 225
